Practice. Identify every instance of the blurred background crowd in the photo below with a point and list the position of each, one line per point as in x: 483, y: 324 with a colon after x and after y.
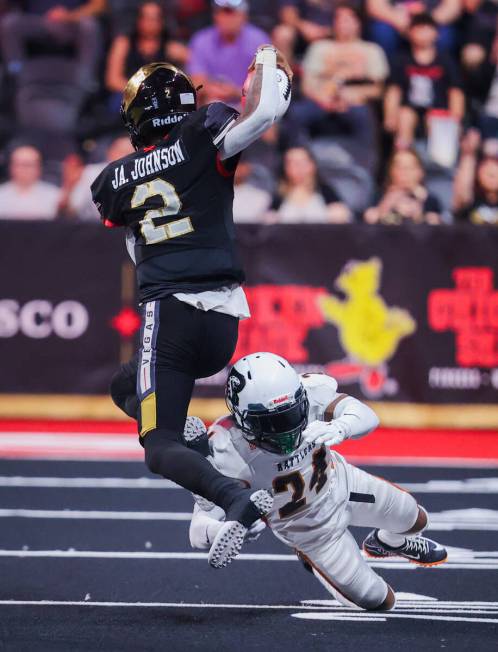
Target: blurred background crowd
x: 394, y: 115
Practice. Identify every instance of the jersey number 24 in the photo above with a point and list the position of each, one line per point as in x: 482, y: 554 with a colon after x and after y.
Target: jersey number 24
x: 295, y: 482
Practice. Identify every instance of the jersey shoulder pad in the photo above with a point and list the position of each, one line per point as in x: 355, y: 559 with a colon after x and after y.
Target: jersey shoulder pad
x: 219, y: 119
x: 226, y: 458
x: 219, y: 433
x: 321, y: 389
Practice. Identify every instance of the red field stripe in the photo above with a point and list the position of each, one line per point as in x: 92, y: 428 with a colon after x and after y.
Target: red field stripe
x: 70, y: 454
x: 480, y: 444
x: 384, y: 443
x: 29, y: 425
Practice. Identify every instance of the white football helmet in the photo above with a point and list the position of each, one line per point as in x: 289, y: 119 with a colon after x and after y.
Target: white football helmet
x: 268, y: 402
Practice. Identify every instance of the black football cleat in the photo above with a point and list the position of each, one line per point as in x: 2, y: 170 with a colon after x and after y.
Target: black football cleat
x: 417, y: 549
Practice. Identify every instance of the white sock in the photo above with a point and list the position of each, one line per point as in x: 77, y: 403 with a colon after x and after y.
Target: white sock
x: 391, y: 538
x: 212, y: 530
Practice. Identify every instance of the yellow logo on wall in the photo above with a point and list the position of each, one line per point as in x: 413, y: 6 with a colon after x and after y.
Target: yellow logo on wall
x: 369, y: 330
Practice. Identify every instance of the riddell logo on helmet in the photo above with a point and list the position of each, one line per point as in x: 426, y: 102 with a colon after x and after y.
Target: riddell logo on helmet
x: 280, y: 400
x: 169, y: 120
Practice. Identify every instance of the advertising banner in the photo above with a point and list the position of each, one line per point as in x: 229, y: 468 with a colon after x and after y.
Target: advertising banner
x: 398, y: 314
x: 60, y: 289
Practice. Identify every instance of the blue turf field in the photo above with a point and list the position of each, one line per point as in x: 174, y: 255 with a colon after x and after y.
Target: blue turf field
x: 81, y: 543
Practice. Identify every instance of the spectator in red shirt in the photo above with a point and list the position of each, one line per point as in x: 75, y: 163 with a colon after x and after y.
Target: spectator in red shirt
x: 421, y: 80
x: 191, y: 15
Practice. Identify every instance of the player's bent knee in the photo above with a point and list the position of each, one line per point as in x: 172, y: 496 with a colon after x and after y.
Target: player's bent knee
x: 118, y: 388
x: 421, y: 522
x: 387, y: 604
x: 123, y: 392
x: 153, y: 455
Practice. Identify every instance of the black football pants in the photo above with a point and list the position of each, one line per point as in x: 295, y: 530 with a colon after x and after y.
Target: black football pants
x: 179, y: 343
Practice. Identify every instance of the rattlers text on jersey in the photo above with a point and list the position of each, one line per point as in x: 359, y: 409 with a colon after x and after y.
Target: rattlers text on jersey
x: 318, y: 495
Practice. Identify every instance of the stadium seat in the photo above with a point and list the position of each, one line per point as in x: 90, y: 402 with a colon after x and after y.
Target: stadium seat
x: 47, y: 97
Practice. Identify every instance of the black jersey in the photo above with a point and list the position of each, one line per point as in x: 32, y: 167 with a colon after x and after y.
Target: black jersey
x: 176, y: 200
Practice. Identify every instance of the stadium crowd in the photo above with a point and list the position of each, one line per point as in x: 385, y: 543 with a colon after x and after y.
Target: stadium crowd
x: 394, y: 115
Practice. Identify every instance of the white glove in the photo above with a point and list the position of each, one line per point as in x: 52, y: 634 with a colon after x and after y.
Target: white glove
x: 255, y: 531
x: 330, y: 433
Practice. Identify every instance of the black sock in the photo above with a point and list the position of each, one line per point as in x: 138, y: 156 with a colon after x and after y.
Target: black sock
x: 188, y: 468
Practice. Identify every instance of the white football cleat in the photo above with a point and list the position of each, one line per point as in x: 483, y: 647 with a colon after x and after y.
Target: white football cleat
x: 230, y: 537
x: 194, y: 429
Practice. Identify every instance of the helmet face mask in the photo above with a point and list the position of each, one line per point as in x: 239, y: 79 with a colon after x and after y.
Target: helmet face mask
x: 273, y: 424
x: 279, y: 430
x: 156, y: 98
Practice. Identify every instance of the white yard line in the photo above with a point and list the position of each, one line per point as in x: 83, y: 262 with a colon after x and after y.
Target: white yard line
x: 95, y: 514
x: 471, y: 519
x: 468, y: 486
x: 85, y: 483
x: 303, y: 611
x: 455, y: 562
x: 388, y: 615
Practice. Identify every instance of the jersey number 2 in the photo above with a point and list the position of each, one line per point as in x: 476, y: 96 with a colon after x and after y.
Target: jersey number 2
x: 295, y: 481
x: 153, y: 234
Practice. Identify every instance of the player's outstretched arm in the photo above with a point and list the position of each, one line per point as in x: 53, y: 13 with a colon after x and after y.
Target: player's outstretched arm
x: 360, y: 418
x: 351, y: 419
x: 262, y: 102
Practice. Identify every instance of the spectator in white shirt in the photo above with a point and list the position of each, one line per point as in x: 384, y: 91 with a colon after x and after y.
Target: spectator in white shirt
x: 302, y: 198
x: 250, y: 202
x: 25, y: 196
x: 76, y: 197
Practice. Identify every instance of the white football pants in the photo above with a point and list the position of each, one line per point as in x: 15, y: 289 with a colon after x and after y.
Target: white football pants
x: 338, y: 563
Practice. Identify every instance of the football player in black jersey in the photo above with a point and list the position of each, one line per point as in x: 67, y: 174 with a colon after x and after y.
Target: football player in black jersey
x: 174, y: 196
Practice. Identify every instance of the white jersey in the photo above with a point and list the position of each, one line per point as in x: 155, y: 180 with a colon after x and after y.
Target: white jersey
x: 317, y: 496
x: 305, y: 484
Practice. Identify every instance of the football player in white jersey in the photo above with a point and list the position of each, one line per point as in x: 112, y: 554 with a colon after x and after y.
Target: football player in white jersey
x: 279, y: 434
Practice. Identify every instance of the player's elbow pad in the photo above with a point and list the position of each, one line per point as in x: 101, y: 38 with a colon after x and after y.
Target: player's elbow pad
x: 372, y: 420
x: 369, y: 420
x: 361, y: 418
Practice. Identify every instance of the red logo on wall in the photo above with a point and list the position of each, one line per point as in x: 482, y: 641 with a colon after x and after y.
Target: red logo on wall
x: 282, y: 316
x: 470, y: 310
x: 369, y: 330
